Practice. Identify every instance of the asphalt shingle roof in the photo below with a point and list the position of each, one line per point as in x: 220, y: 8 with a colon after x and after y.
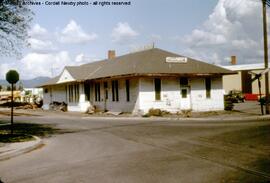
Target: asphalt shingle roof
x: 152, y: 61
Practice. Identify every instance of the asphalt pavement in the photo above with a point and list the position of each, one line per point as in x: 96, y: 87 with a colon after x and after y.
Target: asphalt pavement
x: 143, y: 150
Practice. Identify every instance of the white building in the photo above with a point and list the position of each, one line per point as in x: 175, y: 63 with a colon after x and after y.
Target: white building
x: 137, y: 82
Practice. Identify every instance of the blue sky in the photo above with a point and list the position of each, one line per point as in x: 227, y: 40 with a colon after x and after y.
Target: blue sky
x: 166, y: 19
x: 209, y: 30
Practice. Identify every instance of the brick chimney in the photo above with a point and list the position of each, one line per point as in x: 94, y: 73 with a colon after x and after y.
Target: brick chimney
x: 111, y: 54
x: 233, y: 60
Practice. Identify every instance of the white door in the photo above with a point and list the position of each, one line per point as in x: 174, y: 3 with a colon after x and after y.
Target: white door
x: 185, y: 98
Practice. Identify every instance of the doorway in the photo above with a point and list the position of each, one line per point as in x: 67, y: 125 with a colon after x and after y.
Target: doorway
x: 185, y: 102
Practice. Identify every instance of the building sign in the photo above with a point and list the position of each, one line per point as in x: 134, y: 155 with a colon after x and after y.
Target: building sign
x: 176, y: 60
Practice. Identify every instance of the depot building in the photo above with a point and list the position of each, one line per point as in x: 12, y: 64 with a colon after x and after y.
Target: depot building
x: 137, y: 82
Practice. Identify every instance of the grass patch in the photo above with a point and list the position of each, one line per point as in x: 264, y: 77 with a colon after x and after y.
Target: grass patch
x: 8, y: 138
x: 26, y: 131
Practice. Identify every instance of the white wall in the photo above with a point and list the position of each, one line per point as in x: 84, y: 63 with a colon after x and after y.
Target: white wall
x: 142, y: 96
x: 65, y: 77
x: 55, y: 93
x: 199, y: 101
x: 122, y: 105
x: 82, y: 105
x: 58, y: 93
x: 171, y: 97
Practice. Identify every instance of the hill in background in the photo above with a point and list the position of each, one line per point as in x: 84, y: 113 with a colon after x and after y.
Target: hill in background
x: 31, y: 83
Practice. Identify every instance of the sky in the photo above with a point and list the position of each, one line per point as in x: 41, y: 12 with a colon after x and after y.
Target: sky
x: 208, y: 30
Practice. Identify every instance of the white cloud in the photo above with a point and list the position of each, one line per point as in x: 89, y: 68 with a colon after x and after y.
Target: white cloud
x: 73, y: 33
x: 202, y: 38
x: 37, y: 64
x: 42, y: 46
x: 123, y: 33
x: 38, y: 31
x: 233, y: 28
x: 83, y: 59
x: 41, y: 40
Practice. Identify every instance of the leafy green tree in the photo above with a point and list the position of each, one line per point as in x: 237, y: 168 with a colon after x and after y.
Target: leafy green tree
x: 15, y: 18
x: 12, y: 77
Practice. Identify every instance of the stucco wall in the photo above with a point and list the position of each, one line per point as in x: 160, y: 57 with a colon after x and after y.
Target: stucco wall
x: 122, y: 105
x: 58, y: 93
x: 65, y: 77
x: 142, y: 96
x: 82, y: 105
x: 171, y: 97
x: 199, y: 101
x: 55, y: 93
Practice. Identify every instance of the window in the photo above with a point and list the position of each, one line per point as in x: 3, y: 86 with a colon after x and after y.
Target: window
x: 157, y: 88
x: 77, y: 92
x: 184, y: 93
x: 70, y: 93
x: 184, y: 81
x: 115, y: 96
x: 66, y: 89
x: 97, y: 92
x: 87, y: 91
x: 106, y: 90
x: 208, y: 87
x: 127, y: 90
x: 73, y: 93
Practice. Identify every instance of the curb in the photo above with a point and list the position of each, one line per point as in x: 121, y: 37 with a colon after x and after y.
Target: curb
x: 222, y: 119
x: 15, y: 149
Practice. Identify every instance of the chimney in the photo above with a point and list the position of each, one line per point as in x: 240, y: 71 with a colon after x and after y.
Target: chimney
x: 233, y: 60
x: 111, y: 54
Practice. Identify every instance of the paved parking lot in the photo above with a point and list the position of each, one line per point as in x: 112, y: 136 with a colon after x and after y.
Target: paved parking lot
x: 122, y: 150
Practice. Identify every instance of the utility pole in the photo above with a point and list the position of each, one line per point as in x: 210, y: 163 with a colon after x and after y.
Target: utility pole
x: 264, y: 2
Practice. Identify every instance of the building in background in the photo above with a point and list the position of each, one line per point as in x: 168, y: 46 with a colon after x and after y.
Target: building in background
x: 31, y: 95
x: 242, y: 80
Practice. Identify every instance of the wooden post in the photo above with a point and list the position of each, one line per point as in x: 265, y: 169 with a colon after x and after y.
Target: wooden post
x: 12, y: 104
x: 260, y: 93
x: 265, y: 57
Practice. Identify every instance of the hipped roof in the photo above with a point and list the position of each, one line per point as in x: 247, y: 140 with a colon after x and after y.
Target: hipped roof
x: 147, y: 62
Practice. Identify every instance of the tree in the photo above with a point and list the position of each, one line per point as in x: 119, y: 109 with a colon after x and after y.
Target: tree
x: 1, y: 87
x: 15, y: 17
x: 12, y: 77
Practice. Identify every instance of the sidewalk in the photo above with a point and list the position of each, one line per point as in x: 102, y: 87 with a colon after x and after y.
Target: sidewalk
x: 10, y: 150
x: 250, y: 110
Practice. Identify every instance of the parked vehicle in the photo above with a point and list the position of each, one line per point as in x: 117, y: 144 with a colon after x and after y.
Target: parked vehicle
x: 236, y: 96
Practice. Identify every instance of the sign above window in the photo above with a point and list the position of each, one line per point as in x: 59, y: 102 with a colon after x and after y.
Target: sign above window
x: 181, y: 60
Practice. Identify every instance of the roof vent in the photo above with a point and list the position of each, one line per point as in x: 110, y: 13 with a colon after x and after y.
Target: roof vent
x: 111, y: 54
